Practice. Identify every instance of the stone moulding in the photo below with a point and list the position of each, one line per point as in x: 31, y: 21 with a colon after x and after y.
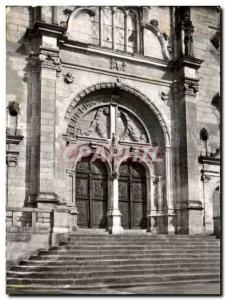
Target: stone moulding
x: 89, y: 10
x: 163, y: 42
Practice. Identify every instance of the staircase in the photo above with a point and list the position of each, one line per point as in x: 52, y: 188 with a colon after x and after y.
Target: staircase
x: 91, y: 262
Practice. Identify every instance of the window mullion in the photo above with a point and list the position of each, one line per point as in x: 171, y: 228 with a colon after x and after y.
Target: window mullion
x: 137, y: 35
x: 100, y: 27
x: 113, y: 28
x: 113, y: 112
x: 126, y: 33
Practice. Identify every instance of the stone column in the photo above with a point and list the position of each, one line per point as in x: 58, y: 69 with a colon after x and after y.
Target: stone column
x: 71, y: 199
x: 114, y: 215
x: 170, y: 209
x: 152, y: 209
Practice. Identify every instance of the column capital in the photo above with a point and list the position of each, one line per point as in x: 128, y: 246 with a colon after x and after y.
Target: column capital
x: 46, y: 58
x: 114, y: 175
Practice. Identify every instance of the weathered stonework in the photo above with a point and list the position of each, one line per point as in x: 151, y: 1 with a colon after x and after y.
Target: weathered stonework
x: 73, y: 83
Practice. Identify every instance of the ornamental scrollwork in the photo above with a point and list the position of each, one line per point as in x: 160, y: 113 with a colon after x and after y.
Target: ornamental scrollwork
x: 51, y: 61
x: 45, y: 60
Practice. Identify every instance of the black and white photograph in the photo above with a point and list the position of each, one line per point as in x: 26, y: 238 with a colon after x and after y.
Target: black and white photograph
x: 113, y: 150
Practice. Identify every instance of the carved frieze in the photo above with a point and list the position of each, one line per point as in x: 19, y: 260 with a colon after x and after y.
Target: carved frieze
x: 117, y: 65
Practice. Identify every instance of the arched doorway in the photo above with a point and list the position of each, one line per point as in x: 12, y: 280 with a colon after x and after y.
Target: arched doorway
x: 113, y: 119
x: 91, y: 193
x: 132, y: 195
x: 216, y: 211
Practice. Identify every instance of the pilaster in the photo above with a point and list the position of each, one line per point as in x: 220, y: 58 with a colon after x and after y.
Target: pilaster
x: 47, y: 62
x: 187, y: 88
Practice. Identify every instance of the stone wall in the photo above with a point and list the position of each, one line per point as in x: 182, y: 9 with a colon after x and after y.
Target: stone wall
x: 18, y: 20
x: 206, y: 23
x: 44, y: 94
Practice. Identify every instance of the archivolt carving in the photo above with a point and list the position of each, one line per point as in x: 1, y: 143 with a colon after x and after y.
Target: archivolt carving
x: 127, y: 88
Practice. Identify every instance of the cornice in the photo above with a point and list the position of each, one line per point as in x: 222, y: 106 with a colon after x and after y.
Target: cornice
x: 135, y: 58
x: 188, y: 61
x: 209, y: 160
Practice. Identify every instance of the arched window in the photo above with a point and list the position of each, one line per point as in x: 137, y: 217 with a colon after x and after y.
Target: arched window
x: 111, y: 27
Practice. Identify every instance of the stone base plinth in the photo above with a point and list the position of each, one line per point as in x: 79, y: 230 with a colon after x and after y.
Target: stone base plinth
x: 46, y: 200
x: 114, y: 222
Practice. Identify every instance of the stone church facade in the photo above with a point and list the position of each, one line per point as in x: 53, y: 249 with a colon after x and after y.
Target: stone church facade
x: 113, y: 122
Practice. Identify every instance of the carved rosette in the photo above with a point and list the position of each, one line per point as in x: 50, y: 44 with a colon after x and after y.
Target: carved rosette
x: 191, y: 87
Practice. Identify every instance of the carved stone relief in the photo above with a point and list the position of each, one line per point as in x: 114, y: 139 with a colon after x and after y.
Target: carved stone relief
x: 129, y: 128
x: 95, y: 123
x: 117, y: 65
x: 191, y: 87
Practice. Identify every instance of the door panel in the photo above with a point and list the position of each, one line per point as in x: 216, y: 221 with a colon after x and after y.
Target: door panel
x: 132, y: 195
x: 124, y: 204
x: 99, y: 213
x: 139, y: 204
x: 99, y: 202
x: 91, y: 194
x: 83, y: 209
x: 82, y: 196
x: 124, y: 207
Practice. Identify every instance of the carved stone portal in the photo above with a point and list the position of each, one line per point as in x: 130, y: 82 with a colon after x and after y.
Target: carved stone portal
x: 96, y: 124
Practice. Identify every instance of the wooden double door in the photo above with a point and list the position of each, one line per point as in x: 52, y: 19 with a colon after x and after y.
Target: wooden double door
x: 91, y: 193
x: 132, y: 195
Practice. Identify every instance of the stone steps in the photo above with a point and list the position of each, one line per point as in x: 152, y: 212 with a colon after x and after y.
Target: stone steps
x: 91, y: 262
x: 128, y: 266
x: 104, y: 273
x: 118, y: 251
x: 116, y: 261
x: 111, y: 279
x: 131, y: 244
x: 83, y: 257
x: 36, y: 289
